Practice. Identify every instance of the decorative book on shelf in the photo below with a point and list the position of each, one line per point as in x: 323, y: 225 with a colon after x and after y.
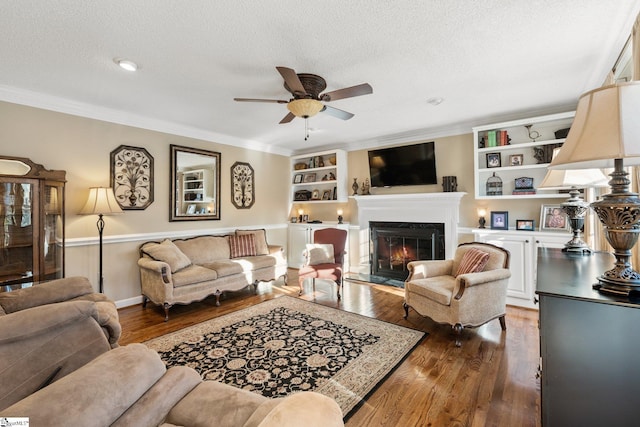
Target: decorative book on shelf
x: 523, y: 185
x: 495, y: 138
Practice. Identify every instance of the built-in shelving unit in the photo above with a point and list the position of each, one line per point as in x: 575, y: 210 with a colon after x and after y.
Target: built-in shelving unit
x: 525, y: 153
x: 319, y: 177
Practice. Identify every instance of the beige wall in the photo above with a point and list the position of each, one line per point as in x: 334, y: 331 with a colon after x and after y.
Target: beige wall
x: 82, y: 148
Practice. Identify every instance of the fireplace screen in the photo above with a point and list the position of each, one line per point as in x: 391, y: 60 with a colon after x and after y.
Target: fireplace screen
x: 395, y: 244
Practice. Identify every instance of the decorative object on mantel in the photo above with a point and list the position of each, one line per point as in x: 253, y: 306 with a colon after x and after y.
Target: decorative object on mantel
x: 355, y: 187
x: 494, y: 185
x: 449, y: 184
x: 365, y: 187
x: 132, y: 177
x: 481, y: 220
x: 575, y: 208
x: 101, y: 201
x: 242, y: 185
x: 604, y: 132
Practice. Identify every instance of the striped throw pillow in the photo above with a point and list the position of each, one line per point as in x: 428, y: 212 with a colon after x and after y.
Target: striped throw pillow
x: 242, y: 245
x: 473, y: 261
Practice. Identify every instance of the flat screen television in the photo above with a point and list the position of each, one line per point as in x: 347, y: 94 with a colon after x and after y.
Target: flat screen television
x: 404, y: 165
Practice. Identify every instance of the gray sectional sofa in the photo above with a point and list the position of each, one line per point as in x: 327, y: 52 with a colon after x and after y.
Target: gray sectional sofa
x: 182, y: 271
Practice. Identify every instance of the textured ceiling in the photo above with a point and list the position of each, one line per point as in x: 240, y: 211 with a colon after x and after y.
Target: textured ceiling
x: 489, y: 60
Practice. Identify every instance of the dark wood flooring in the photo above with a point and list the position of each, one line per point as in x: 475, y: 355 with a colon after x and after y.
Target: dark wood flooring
x: 489, y: 381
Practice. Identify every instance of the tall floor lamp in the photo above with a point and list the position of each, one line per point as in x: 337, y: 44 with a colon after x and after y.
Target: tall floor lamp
x: 101, y: 202
x: 606, y: 131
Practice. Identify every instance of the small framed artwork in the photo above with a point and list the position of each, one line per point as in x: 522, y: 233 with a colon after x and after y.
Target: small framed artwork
x: 315, y: 195
x: 515, y: 160
x: 305, y: 218
x: 191, y: 210
x: 552, y: 217
x: 310, y: 177
x: 494, y: 160
x: 297, y: 179
x: 294, y: 219
x: 500, y: 220
x: 326, y: 195
x: 525, y: 224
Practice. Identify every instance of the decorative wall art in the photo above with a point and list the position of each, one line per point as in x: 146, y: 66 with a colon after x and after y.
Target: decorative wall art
x: 132, y: 177
x: 242, y: 185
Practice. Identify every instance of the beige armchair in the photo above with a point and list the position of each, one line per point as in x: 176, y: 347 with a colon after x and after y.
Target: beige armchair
x: 466, y: 291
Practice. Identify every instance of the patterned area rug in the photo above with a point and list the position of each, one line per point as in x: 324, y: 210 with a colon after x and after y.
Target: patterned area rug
x: 286, y: 345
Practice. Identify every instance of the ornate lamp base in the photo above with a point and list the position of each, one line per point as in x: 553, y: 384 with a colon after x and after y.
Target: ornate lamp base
x: 576, y: 209
x: 619, y: 212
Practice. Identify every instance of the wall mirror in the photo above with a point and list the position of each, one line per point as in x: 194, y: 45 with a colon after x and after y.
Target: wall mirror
x: 195, y: 184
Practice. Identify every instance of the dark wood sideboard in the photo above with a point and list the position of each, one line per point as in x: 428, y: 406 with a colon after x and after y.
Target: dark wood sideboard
x: 589, y: 344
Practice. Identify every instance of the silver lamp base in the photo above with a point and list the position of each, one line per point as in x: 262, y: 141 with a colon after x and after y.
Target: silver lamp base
x: 576, y: 209
x: 619, y: 212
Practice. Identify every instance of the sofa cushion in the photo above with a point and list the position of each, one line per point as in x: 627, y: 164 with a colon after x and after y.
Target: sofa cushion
x: 204, y: 249
x: 438, y: 289
x: 193, y: 274
x: 473, y: 261
x: 260, y: 236
x: 167, y: 252
x: 242, y: 245
x: 252, y: 263
x: 224, y: 267
x: 318, y: 253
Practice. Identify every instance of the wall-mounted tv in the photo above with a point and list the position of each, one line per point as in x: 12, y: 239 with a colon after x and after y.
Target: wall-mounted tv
x: 404, y: 165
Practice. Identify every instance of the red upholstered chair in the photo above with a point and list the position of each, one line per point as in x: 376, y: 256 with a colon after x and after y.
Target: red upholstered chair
x: 324, y: 269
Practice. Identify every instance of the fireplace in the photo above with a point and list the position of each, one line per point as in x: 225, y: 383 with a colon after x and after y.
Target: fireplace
x: 395, y: 244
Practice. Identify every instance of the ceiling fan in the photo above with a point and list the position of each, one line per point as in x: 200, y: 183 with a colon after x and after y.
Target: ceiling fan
x: 307, y: 99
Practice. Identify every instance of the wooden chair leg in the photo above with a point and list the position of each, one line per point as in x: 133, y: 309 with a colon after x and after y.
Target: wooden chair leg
x: 301, y: 285
x: 166, y: 307
x: 503, y: 322
x: 406, y: 309
x: 144, y: 301
x: 457, y: 328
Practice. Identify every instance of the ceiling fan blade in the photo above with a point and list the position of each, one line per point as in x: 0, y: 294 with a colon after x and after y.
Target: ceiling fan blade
x: 277, y: 101
x: 287, y: 118
x: 348, y: 92
x: 335, y: 112
x: 292, y: 80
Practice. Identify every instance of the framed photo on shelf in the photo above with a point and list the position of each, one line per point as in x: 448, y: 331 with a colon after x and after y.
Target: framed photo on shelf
x: 294, y: 219
x: 297, y: 179
x: 305, y: 218
x: 315, y: 195
x: 326, y: 195
x: 494, y: 160
x: 525, y: 224
x: 553, y: 218
x: 516, y: 160
x: 191, y: 210
x: 499, y: 220
x: 310, y: 177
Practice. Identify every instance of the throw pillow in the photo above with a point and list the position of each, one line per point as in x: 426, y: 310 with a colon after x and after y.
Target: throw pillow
x: 167, y: 252
x: 260, y: 236
x: 242, y: 245
x: 473, y: 261
x: 320, y: 254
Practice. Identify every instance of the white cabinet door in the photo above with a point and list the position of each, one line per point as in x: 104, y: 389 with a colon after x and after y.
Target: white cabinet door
x: 299, y: 236
x: 520, y: 289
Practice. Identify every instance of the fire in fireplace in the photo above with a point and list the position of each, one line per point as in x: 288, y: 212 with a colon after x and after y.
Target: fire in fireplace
x: 395, y: 244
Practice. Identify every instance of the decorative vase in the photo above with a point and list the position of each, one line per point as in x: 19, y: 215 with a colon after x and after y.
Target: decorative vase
x: 355, y: 187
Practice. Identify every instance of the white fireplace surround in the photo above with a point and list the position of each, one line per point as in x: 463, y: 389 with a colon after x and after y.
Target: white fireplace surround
x: 421, y: 207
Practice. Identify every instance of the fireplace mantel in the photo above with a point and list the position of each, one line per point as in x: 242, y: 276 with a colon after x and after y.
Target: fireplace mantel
x: 416, y: 207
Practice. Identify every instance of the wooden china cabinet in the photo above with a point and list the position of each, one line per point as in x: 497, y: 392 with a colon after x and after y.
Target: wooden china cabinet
x: 31, y: 223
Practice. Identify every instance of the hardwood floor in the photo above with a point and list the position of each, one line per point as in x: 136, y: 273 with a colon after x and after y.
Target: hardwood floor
x: 489, y: 381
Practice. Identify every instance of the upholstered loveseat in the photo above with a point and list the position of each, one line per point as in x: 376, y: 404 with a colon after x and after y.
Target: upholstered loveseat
x: 181, y: 271
x: 58, y: 368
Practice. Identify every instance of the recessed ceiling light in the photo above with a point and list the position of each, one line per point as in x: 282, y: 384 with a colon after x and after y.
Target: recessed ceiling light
x: 125, y: 64
x: 435, y: 101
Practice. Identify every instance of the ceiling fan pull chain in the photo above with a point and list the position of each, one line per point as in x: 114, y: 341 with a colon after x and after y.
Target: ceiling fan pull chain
x: 306, y: 129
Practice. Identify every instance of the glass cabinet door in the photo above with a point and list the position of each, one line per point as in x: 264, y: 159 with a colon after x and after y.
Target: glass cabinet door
x: 53, y: 245
x: 18, y: 222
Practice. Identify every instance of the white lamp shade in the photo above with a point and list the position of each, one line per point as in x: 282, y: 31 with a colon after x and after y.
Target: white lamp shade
x: 101, y: 201
x: 606, y: 127
x: 578, y: 178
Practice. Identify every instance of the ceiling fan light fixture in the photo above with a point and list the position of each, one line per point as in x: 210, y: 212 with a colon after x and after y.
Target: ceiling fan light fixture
x: 305, y: 107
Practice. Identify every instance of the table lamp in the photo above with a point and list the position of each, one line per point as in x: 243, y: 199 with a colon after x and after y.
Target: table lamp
x: 575, y: 208
x: 604, y: 134
x: 101, y: 201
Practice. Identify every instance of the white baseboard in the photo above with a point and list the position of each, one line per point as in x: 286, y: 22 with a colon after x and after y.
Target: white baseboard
x: 129, y: 302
